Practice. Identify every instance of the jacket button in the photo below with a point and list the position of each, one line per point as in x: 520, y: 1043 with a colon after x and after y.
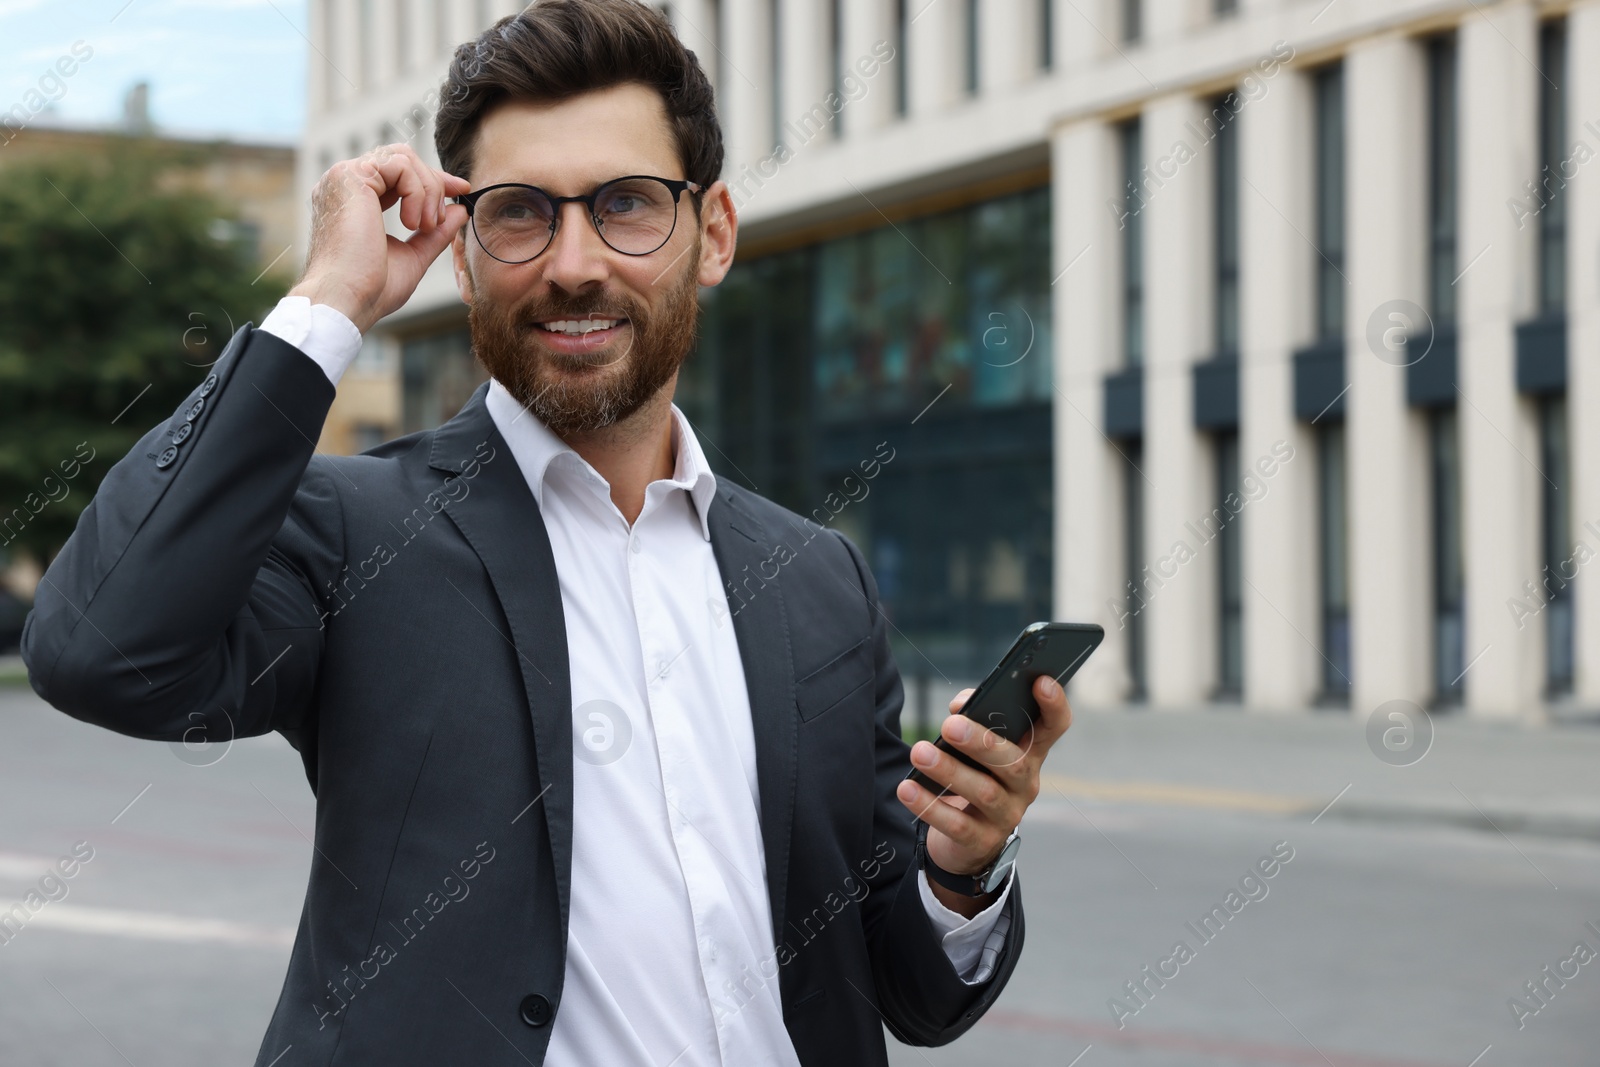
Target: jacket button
x: 183, y: 433
x: 194, y: 410
x: 535, y: 1010
x: 208, y: 385
x: 168, y: 454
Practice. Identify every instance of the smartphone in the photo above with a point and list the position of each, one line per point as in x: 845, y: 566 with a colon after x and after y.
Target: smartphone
x: 1004, y: 701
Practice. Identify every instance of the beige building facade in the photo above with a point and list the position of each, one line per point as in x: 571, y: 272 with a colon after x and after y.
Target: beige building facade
x: 1320, y: 309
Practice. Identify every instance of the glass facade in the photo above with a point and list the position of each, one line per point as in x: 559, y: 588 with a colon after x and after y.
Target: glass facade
x: 1449, y: 628
x: 1230, y: 590
x: 1559, y: 555
x: 1225, y: 247
x: 1132, y: 223
x: 1442, y: 184
x: 1133, y: 564
x: 1328, y: 87
x: 1333, y: 545
x: 1552, y: 156
x: 921, y: 351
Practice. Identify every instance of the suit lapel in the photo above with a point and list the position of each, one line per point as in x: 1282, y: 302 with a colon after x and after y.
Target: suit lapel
x: 742, y: 545
x: 500, y: 519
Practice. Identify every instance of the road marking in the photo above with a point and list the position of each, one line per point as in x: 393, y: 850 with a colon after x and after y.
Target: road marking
x: 154, y: 926
x: 1185, y: 796
x: 15, y: 866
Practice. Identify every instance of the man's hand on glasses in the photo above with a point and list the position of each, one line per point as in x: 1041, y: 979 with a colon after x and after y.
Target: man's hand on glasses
x: 354, y: 266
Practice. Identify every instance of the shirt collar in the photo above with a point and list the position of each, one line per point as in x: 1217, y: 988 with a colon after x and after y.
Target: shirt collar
x: 535, y: 446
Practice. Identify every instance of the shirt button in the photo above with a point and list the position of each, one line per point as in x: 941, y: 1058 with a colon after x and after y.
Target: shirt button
x: 637, y: 547
x: 661, y: 668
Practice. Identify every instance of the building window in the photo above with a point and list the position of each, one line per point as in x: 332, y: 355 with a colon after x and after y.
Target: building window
x: 902, y: 72
x: 1552, y: 153
x: 972, y: 71
x: 718, y: 72
x: 1225, y: 246
x: 402, y: 36
x: 1132, y: 20
x: 775, y: 60
x: 1133, y: 561
x: 1449, y: 625
x: 365, y: 436
x: 330, y: 51
x: 368, y: 73
x: 442, y: 37
x: 1230, y: 596
x: 1132, y: 246
x: 1559, y: 557
x: 1328, y: 92
x: 1442, y: 179
x: 437, y: 377
x: 836, y: 62
x: 1047, y: 34
x: 1333, y: 551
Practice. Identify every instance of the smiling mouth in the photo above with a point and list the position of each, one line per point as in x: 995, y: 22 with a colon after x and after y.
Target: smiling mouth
x: 578, y: 327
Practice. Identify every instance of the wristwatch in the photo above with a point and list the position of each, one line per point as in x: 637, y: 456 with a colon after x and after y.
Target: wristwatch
x: 984, y: 882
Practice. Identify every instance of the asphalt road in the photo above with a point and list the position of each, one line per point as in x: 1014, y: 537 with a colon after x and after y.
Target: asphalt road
x: 1376, y: 945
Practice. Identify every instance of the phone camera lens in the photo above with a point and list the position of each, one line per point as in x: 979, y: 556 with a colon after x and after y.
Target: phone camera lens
x: 1027, y: 659
x: 1041, y: 642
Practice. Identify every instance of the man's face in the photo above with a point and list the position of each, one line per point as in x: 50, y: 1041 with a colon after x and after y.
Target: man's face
x: 581, y: 334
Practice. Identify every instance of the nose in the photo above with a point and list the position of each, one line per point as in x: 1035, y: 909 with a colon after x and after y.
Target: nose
x: 577, y: 258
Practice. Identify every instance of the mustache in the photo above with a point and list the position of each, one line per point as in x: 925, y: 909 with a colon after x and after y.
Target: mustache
x: 595, y: 306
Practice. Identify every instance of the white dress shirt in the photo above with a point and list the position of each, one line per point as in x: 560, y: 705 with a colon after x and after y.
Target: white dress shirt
x: 669, y: 912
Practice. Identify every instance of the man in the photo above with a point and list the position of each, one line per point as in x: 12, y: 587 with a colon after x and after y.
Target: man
x: 606, y: 750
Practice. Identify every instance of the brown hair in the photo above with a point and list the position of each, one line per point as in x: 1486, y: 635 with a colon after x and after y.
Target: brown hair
x: 556, y: 49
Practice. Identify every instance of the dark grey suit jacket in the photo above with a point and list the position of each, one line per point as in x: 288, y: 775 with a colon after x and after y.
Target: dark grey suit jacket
x: 397, y: 617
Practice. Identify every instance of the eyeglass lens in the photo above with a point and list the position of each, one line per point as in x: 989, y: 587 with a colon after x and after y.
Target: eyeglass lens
x: 634, y: 216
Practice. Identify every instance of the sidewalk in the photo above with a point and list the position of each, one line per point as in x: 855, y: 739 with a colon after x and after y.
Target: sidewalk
x: 1539, y: 780
x: 1530, y: 779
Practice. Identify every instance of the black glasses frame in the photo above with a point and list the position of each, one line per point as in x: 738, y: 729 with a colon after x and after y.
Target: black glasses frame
x: 675, y: 186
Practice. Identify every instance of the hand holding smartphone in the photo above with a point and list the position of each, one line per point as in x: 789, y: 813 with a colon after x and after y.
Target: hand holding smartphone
x: 1004, y: 701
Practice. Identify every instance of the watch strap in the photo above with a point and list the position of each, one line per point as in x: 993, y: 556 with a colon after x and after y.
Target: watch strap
x: 968, y: 885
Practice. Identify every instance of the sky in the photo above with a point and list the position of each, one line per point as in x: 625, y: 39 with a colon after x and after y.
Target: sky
x: 234, y: 68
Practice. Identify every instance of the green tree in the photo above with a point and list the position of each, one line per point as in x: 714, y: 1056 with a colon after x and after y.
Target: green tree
x: 119, y: 285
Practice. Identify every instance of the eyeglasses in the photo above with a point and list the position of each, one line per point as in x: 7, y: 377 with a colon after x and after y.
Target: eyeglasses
x: 635, y: 215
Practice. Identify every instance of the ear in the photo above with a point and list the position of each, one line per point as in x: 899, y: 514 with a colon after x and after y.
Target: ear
x: 458, y: 259
x: 719, y: 233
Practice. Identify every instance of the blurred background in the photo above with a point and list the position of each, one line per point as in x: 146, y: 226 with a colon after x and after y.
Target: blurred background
x: 1258, y: 331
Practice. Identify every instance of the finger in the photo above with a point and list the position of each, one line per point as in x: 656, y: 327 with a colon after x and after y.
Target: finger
x: 431, y: 207
x: 403, y: 181
x: 426, y: 245
x: 987, y: 747
x: 434, y: 212
x: 995, y: 799
x: 1055, y: 714
x: 959, y: 701
x: 963, y: 827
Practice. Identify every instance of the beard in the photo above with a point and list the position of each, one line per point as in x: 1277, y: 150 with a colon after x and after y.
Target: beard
x: 589, y: 391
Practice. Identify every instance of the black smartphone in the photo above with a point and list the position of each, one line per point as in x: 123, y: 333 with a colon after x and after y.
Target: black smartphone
x: 1004, y: 701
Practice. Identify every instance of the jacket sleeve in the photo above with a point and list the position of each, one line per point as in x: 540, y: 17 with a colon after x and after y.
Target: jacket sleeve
x: 922, y: 998
x: 184, y: 605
